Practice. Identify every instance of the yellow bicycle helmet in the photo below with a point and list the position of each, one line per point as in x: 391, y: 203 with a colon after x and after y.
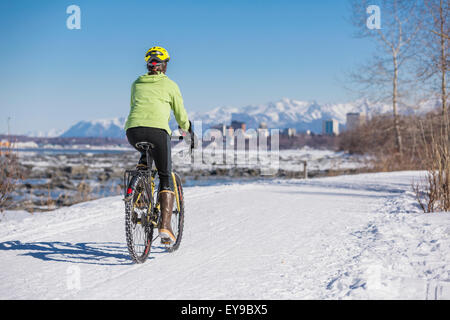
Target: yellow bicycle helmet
x: 155, y: 56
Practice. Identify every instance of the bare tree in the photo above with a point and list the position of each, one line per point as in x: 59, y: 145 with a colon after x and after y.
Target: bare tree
x: 395, y: 41
x: 434, y: 49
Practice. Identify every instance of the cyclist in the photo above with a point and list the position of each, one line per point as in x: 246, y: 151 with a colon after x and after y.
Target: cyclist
x: 153, y: 96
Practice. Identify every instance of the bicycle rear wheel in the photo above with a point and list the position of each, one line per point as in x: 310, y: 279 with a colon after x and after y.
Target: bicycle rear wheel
x: 138, y: 228
x: 177, y: 220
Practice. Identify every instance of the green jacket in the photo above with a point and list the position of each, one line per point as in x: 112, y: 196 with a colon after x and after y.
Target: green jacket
x: 152, y: 98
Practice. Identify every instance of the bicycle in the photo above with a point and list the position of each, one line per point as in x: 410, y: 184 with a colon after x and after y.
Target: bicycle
x: 142, y: 209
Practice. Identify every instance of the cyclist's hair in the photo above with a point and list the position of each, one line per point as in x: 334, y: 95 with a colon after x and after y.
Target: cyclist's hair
x: 157, y: 69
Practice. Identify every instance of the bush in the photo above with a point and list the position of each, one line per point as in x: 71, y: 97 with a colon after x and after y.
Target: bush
x: 434, y: 194
x: 426, y: 143
x: 377, y: 138
x: 9, y: 174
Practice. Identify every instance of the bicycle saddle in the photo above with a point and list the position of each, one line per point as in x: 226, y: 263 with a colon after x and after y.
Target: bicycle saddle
x: 145, y: 145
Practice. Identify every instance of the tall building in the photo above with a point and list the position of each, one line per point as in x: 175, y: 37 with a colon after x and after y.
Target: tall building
x: 238, y: 125
x: 290, y: 132
x: 330, y: 127
x: 354, y: 120
x: 263, y: 130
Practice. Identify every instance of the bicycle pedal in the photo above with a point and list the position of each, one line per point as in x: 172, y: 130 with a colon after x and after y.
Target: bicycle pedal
x: 165, y: 241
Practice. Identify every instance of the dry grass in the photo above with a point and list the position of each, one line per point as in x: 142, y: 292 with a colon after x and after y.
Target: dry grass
x: 426, y: 147
x: 9, y: 174
x: 434, y: 193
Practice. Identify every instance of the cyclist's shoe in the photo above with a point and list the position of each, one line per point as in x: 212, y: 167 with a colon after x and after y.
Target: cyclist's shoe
x: 166, y: 241
x: 166, y: 200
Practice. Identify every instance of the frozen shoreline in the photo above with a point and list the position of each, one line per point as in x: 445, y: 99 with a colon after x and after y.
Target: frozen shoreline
x: 59, y: 179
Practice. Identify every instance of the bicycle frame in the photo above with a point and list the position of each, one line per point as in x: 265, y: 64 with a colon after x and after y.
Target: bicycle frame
x: 150, y: 175
x: 129, y: 174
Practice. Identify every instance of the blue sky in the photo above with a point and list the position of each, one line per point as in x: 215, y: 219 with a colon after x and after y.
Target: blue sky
x: 223, y: 53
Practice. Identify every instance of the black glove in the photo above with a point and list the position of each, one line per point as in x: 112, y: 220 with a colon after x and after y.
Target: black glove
x: 192, y: 138
x: 190, y: 127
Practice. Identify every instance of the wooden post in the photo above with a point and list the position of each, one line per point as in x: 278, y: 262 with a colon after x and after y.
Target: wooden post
x: 305, y: 169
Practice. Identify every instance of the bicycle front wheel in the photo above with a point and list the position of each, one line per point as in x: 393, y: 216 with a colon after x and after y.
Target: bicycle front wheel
x: 138, y: 228
x: 177, y: 221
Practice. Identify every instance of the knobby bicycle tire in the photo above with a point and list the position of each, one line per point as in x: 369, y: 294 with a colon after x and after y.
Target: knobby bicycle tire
x: 139, y: 247
x: 179, y: 215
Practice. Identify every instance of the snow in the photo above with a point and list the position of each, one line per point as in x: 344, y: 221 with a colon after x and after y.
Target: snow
x: 112, y: 128
x: 346, y: 237
x: 25, y: 145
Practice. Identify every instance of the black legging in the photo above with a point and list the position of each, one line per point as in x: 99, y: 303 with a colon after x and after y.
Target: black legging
x: 161, y: 154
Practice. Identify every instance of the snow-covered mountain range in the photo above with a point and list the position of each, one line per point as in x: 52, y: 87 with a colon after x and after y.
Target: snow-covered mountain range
x: 285, y: 113
x: 288, y: 113
x: 105, y: 128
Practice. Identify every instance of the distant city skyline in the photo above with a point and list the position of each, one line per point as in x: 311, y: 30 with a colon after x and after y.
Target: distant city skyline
x: 285, y: 114
x: 224, y: 53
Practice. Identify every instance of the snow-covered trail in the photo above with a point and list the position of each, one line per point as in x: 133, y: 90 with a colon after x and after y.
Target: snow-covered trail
x: 357, y: 237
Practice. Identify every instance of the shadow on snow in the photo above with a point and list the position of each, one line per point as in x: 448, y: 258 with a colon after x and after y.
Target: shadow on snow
x: 106, y: 253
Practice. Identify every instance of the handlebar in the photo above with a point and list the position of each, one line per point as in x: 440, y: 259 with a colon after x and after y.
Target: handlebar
x: 192, y: 139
